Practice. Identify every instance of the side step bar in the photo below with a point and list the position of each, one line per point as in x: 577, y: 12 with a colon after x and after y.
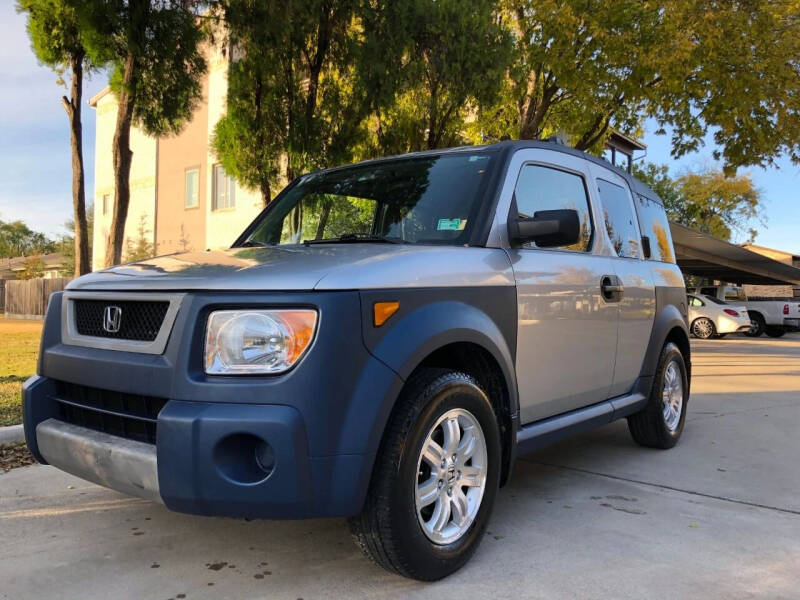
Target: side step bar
x: 544, y: 432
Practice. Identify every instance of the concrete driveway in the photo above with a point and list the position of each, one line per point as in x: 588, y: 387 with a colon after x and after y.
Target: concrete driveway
x: 592, y: 517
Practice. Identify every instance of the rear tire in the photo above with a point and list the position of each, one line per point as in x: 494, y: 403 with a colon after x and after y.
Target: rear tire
x: 660, y: 423
x: 775, y: 332
x: 703, y: 328
x: 397, y: 527
x: 757, y: 325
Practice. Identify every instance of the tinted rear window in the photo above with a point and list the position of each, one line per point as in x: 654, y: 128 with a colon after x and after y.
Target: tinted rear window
x: 654, y: 224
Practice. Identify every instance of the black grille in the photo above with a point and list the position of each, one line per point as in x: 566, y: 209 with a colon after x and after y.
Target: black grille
x: 130, y: 416
x: 140, y: 321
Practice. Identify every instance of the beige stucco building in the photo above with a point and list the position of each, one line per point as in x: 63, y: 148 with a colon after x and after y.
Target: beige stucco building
x: 181, y: 199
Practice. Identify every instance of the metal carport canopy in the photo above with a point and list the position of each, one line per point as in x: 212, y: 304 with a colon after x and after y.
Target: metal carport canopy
x: 707, y: 256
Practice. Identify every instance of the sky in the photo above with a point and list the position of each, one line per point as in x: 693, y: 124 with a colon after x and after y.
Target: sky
x: 35, y: 162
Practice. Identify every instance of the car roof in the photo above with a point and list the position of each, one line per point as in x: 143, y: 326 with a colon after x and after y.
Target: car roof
x: 636, y: 186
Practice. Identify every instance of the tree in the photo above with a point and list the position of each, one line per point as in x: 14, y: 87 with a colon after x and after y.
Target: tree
x: 450, y: 61
x: 66, y: 245
x: 58, y: 42
x: 16, y: 239
x: 292, y: 100
x: 142, y: 247
x: 585, y: 66
x: 153, y: 49
x: 709, y: 200
x: 33, y: 268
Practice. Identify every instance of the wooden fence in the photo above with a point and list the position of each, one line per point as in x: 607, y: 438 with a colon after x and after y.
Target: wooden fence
x: 27, y: 299
x: 2, y: 295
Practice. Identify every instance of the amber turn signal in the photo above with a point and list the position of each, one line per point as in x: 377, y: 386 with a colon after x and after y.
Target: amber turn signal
x: 381, y: 311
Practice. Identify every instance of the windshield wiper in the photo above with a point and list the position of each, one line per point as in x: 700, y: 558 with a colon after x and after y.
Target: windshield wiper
x: 354, y: 238
x: 252, y: 244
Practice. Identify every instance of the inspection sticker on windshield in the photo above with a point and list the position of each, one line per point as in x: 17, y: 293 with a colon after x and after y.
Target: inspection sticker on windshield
x: 451, y: 224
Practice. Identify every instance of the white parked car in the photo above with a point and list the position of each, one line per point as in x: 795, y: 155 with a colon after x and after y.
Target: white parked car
x: 711, y: 317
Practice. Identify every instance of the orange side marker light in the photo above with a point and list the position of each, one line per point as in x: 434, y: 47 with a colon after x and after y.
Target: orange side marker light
x: 381, y: 311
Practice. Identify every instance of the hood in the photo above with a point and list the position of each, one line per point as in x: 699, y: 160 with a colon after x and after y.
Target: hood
x: 317, y: 266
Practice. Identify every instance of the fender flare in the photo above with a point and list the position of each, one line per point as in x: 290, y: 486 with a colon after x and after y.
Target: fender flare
x: 668, y: 319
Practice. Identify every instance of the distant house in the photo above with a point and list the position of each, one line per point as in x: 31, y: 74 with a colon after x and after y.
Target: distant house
x: 620, y: 148
x: 13, y: 268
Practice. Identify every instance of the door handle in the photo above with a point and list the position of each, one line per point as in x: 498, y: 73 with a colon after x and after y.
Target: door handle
x: 612, y: 288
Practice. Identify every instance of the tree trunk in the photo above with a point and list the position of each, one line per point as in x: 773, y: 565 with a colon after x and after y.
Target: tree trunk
x: 73, y: 108
x: 122, y: 163
x: 266, y: 193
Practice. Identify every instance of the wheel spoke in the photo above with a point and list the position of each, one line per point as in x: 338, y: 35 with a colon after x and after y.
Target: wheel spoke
x: 428, y: 491
x: 471, y: 476
x: 441, y: 514
x: 466, y: 448
x: 459, y: 506
x: 433, y: 454
x: 452, y: 436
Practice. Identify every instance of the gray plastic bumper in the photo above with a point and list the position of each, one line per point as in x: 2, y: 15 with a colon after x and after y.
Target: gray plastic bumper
x: 124, y: 465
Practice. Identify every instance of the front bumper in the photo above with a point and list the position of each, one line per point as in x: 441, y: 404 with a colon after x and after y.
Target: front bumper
x: 215, y: 459
x: 301, y: 444
x: 792, y: 324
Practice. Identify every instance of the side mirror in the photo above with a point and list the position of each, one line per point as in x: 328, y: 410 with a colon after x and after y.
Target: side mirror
x: 547, y: 228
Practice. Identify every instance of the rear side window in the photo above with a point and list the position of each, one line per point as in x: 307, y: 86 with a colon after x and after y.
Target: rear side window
x: 694, y: 301
x: 544, y: 188
x: 619, y: 218
x: 654, y: 224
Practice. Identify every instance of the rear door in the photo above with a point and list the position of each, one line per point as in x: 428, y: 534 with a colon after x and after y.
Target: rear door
x: 637, y: 302
x: 567, y: 331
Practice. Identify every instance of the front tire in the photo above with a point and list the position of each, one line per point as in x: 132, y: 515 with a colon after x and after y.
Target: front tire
x: 703, y: 328
x: 660, y: 423
x: 435, y: 478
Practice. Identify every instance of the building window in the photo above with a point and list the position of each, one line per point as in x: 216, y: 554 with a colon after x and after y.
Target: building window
x: 224, y: 189
x: 192, y: 182
x: 106, y: 204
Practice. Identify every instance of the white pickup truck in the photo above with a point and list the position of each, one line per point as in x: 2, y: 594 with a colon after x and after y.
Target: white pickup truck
x: 773, y: 317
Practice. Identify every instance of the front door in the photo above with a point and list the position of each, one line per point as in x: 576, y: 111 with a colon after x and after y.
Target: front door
x: 567, y: 330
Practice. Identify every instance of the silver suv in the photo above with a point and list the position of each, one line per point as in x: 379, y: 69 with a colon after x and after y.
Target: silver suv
x: 380, y: 344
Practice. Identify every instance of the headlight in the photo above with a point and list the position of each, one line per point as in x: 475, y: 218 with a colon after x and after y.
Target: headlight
x: 250, y: 342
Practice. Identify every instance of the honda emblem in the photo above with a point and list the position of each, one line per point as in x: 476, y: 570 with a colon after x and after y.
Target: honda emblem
x: 112, y: 318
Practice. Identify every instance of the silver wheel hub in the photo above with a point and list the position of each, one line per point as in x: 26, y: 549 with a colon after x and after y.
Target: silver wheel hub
x: 451, y: 476
x: 702, y: 328
x: 672, y: 396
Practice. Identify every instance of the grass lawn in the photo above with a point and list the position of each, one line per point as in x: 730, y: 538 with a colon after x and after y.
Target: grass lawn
x: 19, y: 347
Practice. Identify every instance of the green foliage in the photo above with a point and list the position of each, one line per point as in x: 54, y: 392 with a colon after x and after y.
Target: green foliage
x: 735, y: 72
x: 292, y: 93
x: 17, y: 239
x: 657, y: 177
x: 709, y: 201
x: 54, y: 31
x: 33, y: 268
x: 450, y: 58
x: 142, y: 247
x: 579, y: 66
x: 160, y: 41
x: 585, y: 66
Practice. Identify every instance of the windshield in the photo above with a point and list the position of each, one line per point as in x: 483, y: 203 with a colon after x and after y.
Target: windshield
x: 715, y: 300
x: 418, y: 200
